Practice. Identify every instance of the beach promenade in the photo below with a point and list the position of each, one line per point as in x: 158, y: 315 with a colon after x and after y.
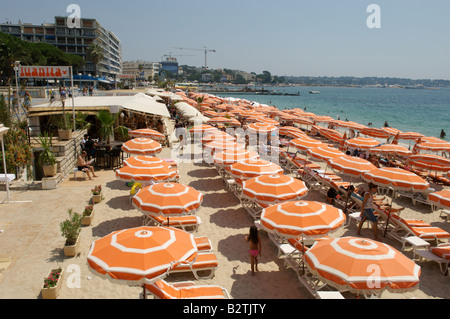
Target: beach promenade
x: 31, y: 236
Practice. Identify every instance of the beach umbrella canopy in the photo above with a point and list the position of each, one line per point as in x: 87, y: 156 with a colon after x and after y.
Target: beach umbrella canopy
x: 219, y: 145
x: 302, y: 120
x: 262, y: 128
x: 397, y: 179
x: 409, y: 135
x: 146, y: 172
x: 142, y: 146
x: 295, y: 219
x: 433, y: 146
x: 253, y: 168
x: 291, y: 131
x: 391, y: 131
x: 324, y: 153
x: 441, y: 198
x: 430, y: 162
x: 375, y: 132
x: 167, y: 199
x: 272, y: 189
x: 220, y: 137
x: 142, y: 255
x: 350, y: 264
x: 145, y: 161
x: 203, y: 128
x: 147, y: 133
x: 390, y: 149
x: 351, y: 166
x: 331, y: 135
x: 362, y: 143
x: 231, y: 156
x: 222, y: 120
x: 305, y: 144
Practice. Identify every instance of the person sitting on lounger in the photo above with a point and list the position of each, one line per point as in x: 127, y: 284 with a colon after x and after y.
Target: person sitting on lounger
x: 83, y: 166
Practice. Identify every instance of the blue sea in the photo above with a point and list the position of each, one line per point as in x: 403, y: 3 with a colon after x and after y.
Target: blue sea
x: 418, y: 110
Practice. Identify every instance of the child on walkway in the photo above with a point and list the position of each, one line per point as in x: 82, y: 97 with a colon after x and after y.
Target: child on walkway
x: 255, y: 248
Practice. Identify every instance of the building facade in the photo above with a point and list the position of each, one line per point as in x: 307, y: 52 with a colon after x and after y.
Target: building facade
x: 75, y: 41
x: 142, y: 69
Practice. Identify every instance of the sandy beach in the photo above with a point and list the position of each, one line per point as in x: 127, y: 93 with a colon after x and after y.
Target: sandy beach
x: 31, y: 236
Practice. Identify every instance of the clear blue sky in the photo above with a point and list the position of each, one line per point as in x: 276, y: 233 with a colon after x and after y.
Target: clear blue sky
x: 285, y: 37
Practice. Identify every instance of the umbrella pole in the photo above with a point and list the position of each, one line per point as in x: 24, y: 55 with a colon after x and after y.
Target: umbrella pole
x: 144, y: 293
x: 389, y: 215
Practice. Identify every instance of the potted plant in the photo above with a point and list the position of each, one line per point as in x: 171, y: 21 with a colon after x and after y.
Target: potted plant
x: 97, y: 195
x: 52, y: 284
x: 47, y: 159
x: 70, y: 229
x: 88, y: 215
x: 65, y: 128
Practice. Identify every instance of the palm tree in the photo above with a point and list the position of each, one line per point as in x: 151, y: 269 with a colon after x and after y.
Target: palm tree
x: 96, y: 53
x: 107, y: 121
x: 11, y: 50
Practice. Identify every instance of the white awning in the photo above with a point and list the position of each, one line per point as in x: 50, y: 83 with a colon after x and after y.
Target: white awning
x: 138, y: 103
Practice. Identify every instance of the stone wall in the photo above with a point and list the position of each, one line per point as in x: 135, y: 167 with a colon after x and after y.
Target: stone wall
x: 66, y: 153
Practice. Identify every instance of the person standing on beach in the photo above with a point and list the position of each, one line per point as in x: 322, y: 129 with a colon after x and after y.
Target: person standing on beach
x: 255, y: 248
x: 367, y: 210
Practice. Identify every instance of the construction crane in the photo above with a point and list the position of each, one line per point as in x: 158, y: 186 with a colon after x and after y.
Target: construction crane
x: 172, y: 56
x: 204, y: 50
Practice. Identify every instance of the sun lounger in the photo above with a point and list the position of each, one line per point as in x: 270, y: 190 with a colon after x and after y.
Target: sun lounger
x: 187, y: 223
x: 418, y: 196
x: 439, y: 254
x: 252, y: 207
x: 205, y: 262
x: 405, y: 228
x: 186, y: 290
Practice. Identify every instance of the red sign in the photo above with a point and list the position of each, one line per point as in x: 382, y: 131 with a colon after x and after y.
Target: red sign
x: 48, y: 72
x: 126, y: 76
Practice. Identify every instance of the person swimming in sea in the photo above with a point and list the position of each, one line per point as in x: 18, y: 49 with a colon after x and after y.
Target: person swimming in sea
x: 443, y: 134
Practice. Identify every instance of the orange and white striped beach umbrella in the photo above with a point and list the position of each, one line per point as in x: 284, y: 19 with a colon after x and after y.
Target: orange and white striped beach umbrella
x: 441, y: 198
x: 261, y: 128
x: 141, y: 255
x: 434, y: 146
x: 430, y: 162
x: 391, y: 131
x: 220, y: 145
x: 148, y: 133
x: 142, y: 146
x: 302, y: 219
x: 390, y: 149
x: 253, y: 168
x: 397, y: 178
x: 146, y: 172
x: 364, y: 143
x: 203, y: 128
x: 223, y: 120
x: 305, y: 144
x: 145, y: 161
x: 351, y: 166
x: 231, y: 156
x: 221, y: 137
x: 431, y: 159
x: 272, y: 189
x: 375, y: 132
x: 291, y: 131
x: 409, y: 135
x: 362, y: 265
x: 167, y: 199
x: 325, y: 153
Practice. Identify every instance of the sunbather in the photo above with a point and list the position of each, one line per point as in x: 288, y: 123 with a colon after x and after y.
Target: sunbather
x: 255, y: 248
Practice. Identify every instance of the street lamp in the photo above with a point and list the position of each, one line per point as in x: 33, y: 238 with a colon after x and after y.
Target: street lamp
x: 16, y: 69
